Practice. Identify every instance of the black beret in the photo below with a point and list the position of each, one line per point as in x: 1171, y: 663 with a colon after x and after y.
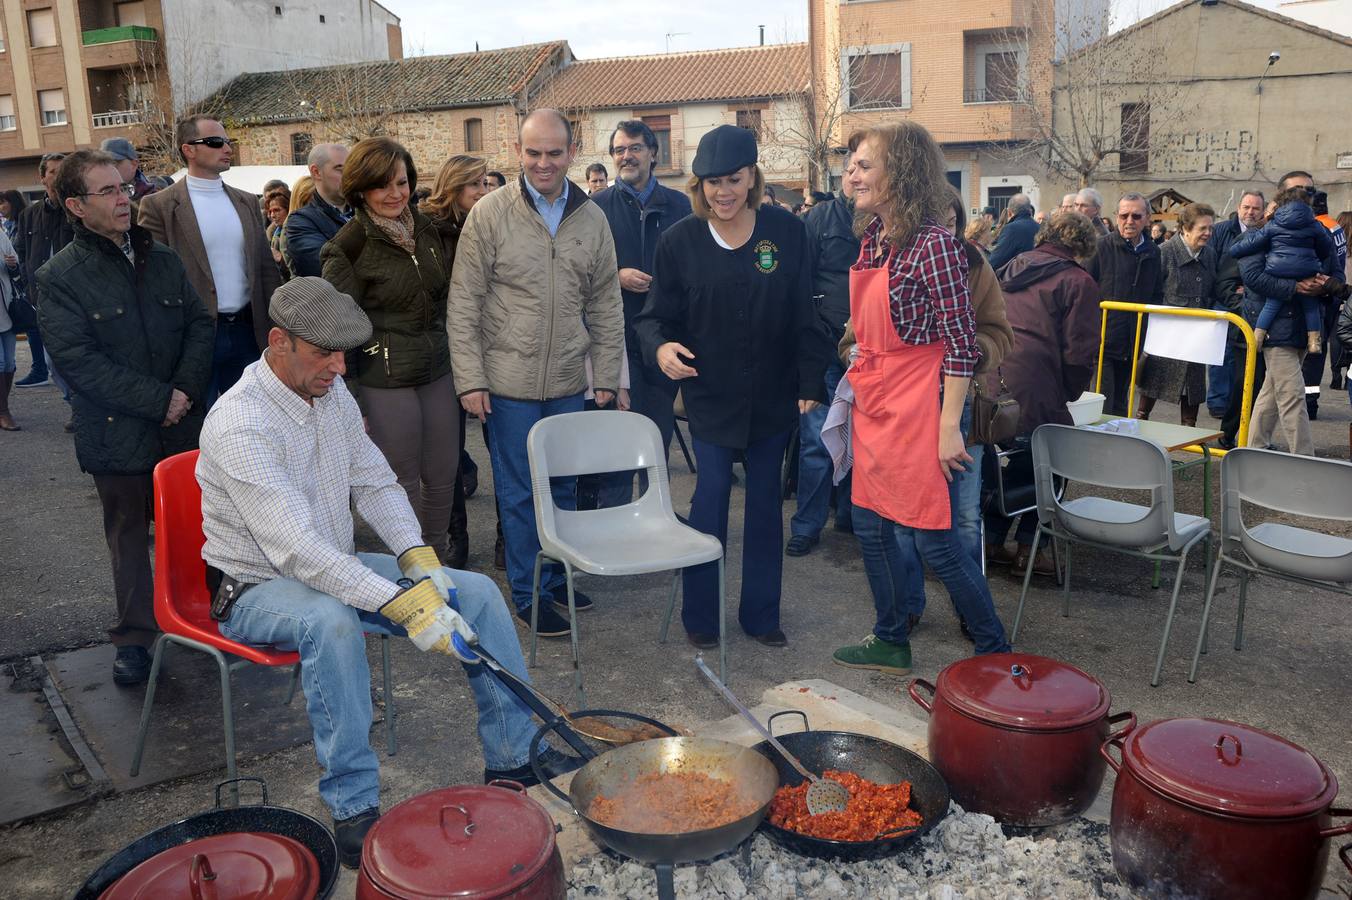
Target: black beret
x: 723, y: 151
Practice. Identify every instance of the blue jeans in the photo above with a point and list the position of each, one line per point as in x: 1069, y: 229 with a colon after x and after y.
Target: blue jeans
x: 337, y: 679
x: 892, y: 555
x: 815, y: 469
x: 235, y: 349
x: 38, y: 362
x: 7, y: 361
x: 762, y: 535
x: 508, y: 425
x: 1218, y: 383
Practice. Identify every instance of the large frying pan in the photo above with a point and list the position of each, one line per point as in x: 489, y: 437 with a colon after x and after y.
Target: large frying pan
x: 750, y: 772
x: 868, y: 757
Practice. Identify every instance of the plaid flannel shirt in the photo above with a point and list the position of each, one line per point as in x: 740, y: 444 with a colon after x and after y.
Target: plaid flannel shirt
x: 927, y: 284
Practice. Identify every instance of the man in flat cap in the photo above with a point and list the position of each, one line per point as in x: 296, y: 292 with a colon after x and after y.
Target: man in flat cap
x: 130, y: 335
x: 129, y: 167
x: 284, y: 460
x: 535, y: 292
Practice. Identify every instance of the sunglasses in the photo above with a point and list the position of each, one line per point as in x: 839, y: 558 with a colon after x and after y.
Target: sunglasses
x: 1133, y: 217
x: 215, y: 143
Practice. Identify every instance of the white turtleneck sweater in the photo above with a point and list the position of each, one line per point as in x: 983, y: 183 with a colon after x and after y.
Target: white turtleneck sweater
x: 223, y: 237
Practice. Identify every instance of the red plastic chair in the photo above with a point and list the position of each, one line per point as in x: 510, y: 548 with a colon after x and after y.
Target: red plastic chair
x: 183, y: 605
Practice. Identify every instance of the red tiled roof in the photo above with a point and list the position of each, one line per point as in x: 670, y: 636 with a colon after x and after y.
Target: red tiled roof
x: 417, y: 83
x: 744, y: 73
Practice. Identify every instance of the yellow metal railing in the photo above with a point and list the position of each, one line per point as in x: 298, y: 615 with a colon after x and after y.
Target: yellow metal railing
x: 1144, y: 309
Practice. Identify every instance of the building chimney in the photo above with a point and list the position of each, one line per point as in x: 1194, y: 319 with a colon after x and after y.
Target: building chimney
x: 762, y: 34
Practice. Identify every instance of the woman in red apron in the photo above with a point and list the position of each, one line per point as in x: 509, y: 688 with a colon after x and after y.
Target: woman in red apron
x: 912, y: 315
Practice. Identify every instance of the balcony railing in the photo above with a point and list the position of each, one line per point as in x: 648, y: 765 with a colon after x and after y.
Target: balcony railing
x: 1002, y: 95
x: 121, y: 33
x: 117, y: 119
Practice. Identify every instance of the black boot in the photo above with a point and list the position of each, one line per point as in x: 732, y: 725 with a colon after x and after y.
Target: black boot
x: 457, y: 550
x: 351, y: 834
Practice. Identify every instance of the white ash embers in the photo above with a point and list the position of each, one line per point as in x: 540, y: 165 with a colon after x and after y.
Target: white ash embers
x: 966, y: 856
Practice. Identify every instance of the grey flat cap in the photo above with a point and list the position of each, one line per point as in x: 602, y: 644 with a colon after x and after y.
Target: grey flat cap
x: 119, y: 148
x: 314, y: 310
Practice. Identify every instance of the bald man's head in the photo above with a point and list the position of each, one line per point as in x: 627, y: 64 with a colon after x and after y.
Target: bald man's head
x: 546, y: 117
x: 545, y: 148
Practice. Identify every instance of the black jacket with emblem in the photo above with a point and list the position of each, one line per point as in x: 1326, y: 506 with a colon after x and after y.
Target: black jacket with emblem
x: 125, y: 336
x: 747, y: 316
x: 403, y: 294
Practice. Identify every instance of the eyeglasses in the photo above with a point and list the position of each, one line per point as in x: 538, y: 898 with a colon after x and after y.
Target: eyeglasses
x: 634, y: 149
x: 1132, y: 217
x: 214, y: 142
x: 127, y: 190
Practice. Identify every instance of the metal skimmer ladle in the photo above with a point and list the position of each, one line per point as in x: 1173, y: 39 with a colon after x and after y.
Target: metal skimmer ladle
x: 823, y: 794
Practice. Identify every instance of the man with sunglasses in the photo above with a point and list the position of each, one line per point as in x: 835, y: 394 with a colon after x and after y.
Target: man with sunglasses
x: 126, y: 329
x: 1127, y: 267
x: 218, y: 231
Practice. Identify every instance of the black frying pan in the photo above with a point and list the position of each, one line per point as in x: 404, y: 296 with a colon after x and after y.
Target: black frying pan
x: 223, y: 820
x: 868, y: 757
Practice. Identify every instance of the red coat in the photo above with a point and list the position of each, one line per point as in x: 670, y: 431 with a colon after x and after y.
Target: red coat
x: 1052, y: 305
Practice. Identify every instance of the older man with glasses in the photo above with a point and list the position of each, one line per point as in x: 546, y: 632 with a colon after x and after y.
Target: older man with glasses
x: 1089, y: 203
x: 219, y: 233
x: 1127, y: 267
x: 127, y: 330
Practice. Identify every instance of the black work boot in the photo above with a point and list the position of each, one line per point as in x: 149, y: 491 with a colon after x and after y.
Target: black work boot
x: 351, y: 834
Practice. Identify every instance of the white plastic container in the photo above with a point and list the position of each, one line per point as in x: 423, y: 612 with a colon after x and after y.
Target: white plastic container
x: 1087, y: 409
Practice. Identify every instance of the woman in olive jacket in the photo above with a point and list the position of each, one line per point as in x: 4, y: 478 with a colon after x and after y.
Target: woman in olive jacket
x: 389, y: 258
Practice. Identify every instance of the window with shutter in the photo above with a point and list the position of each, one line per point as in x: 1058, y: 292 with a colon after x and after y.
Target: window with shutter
x: 52, y: 105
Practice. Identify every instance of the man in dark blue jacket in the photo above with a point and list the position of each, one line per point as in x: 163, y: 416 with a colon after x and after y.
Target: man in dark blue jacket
x: 1248, y: 215
x: 639, y: 211
x: 1016, y: 235
x: 313, y: 225
x: 830, y: 232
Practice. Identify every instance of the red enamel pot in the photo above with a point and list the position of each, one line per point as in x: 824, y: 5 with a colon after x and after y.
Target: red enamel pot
x: 1211, y: 809
x: 469, y: 841
x: 1017, y: 736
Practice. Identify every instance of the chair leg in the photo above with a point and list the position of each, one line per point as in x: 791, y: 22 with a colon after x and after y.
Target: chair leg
x: 1239, y: 620
x: 291, y: 689
x: 572, y: 633
x: 1056, y: 562
x: 1169, y: 619
x: 685, y: 451
x: 1027, y: 577
x: 391, y: 742
x: 228, y: 713
x: 1065, y: 582
x: 982, y: 520
x: 1206, y: 619
x: 722, y: 625
x: 676, y: 576
x: 144, y: 728
x: 535, y: 606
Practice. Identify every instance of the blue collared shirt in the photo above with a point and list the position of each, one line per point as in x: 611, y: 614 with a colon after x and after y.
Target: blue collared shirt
x: 552, y: 213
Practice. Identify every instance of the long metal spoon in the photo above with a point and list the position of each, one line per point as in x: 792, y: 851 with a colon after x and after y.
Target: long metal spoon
x: 823, y: 794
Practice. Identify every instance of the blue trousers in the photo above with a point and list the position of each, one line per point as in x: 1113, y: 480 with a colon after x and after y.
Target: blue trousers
x: 235, y: 349
x: 815, y: 468
x: 38, y: 357
x: 1218, y: 383
x: 762, y: 534
x: 508, y: 426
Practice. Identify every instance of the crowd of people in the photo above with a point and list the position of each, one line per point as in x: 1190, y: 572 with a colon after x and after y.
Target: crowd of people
x: 326, y: 345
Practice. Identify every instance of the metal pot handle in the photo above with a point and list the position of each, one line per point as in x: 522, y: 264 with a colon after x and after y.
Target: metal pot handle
x: 262, y: 785
x: 1345, y: 855
x: 1117, y: 738
x: 551, y: 725
x: 1220, y: 749
x: 201, y: 879
x: 508, y: 784
x: 1339, y: 829
x: 1129, y: 718
x: 770, y: 722
x: 469, y: 820
x: 914, y: 691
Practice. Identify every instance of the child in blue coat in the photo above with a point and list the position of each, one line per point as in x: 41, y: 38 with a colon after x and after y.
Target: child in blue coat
x: 1297, y: 246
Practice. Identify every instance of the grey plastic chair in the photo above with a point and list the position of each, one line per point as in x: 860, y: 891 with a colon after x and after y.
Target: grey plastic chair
x: 636, y: 538
x: 1296, y: 485
x: 1121, y: 462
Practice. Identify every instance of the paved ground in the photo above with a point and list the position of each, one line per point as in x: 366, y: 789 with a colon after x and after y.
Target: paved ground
x: 54, y: 588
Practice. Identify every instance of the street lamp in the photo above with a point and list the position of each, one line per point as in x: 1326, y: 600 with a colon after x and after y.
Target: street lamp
x: 1272, y: 61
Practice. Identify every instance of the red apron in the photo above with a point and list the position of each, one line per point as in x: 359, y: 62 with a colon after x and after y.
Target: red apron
x: 894, y: 428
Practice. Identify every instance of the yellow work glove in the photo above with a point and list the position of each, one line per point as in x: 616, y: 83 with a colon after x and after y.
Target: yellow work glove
x: 421, y: 562
x: 430, y: 623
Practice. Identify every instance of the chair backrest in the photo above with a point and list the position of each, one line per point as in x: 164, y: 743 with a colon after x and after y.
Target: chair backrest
x: 1284, y: 482
x: 181, y: 599
x: 586, y: 443
x: 1118, y: 461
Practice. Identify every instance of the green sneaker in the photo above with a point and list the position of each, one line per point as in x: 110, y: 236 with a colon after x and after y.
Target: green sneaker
x: 876, y: 653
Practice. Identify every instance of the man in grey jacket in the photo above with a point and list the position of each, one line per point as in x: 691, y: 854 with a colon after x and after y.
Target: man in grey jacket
x: 535, y: 291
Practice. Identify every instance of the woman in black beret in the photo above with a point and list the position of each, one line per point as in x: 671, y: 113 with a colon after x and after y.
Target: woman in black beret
x: 730, y: 315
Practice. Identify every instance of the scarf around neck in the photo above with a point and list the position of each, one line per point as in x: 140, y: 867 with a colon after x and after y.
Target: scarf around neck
x: 399, y: 230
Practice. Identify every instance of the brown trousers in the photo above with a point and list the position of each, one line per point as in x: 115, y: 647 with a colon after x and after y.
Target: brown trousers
x: 127, y: 513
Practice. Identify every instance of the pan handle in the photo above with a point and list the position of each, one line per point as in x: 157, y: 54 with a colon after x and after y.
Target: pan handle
x: 1114, y: 739
x: 1339, y: 829
x: 770, y: 722
x: 1129, y: 718
x: 553, y: 725
x: 914, y: 690
x: 262, y: 785
x: 201, y: 879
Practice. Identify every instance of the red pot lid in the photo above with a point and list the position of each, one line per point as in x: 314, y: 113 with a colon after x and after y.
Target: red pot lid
x: 1019, y: 690
x: 231, y: 866
x: 1229, y: 768
x: 464, y: 841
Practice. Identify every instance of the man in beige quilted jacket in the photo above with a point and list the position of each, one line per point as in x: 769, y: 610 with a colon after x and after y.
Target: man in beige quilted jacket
x: 534, y: 291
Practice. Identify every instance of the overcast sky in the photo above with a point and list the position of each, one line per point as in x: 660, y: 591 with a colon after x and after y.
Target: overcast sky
x: 596, y: 29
